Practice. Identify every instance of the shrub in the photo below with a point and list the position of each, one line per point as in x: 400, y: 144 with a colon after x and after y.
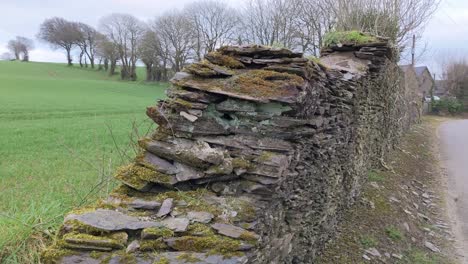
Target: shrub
x: 368, y: 241
x: 393, y: 233
x: 348, y: 37
x: 450, y: 105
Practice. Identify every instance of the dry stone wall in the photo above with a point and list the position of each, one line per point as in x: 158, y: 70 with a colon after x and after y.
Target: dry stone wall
x: 257, y: 154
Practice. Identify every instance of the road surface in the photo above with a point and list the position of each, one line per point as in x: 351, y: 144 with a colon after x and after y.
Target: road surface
x: 454, y: 148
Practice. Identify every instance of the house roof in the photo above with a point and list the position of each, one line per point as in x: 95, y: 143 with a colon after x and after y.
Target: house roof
x: 421, y: 69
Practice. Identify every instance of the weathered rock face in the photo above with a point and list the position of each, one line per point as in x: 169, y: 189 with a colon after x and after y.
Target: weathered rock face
x: 257, y: 154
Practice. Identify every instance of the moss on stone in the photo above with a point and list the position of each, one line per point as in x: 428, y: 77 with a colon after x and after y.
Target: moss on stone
x: 245, y: 210
x: 137, y: 175
x: 224, y: 60
x: 199, y: 229
x: 127, y: 176
x: 159, y: 232
x: 266, y: 156
x: 78, y: 227
x: 55, y: 253
x: 153, y: 245
x: 265, y: 84
x: 216, y: 243
x: 195, y: 199
x: 162, y: 260
x: 241, y: 163
x: 115, y: 240
x: 205, y: 68
x: 249, y: 236
x: 188, y: 258
x: 348, y: 37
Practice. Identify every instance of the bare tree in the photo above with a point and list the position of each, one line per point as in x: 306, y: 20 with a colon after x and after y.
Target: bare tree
x: 153, y: 56
x: 271, y: 22
x: 214, y: 23
x: 87, y: 42
x: 20, y: 47
x: 455, y: 75
x: 395, y: 19
x: 177, y: 36
x: 125, y: 31
x: 108, y: 51
x: 60, y: 33
x: 313, y: 21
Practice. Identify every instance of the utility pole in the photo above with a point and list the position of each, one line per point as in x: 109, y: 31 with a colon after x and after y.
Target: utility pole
x: 413, y: 51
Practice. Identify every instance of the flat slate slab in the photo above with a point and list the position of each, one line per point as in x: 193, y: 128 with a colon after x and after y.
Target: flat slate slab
x: 166, y: 207
x: 110, y: 220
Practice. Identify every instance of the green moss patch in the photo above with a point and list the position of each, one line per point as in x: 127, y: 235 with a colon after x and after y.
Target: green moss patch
x: 215, y: 243
x: 153, y: 245
x: 198, y: 229
x: 189, y: 258
x: 158, y: 232
x: 265, y: 84
x: 137, y: 175
x: 207, y: 69
x: 224, y: 60
x: 115, y: 241
x: 348, y: 37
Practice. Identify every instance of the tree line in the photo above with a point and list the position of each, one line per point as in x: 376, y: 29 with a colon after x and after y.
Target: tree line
x: 169, y: 41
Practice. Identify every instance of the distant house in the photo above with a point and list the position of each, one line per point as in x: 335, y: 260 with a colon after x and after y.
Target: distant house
x: 441, y: 88
x: 425, y: 80
x: 412, y: 90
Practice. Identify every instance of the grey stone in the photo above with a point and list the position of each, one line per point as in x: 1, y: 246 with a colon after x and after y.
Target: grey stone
x: 144, y: 204
x: 432, y: 247
x: 186, y: 172
x: 201, y: 217
x: 230, y: 230
x: 133, y: 246
x: 188, y: 116
x: 373, y: 252
x: 166, y: 208
x: 158, y: 163
x: 176, y: 224
x: 109, y: 220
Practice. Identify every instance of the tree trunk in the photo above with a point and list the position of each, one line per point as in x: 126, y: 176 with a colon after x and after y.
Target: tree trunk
x: 91, y: 61
x: 100, y: 64
x: 69, y: 58
x: 149, y: 72
x: 106, y: 64
x: 81, y: 59
x: 112, y: 67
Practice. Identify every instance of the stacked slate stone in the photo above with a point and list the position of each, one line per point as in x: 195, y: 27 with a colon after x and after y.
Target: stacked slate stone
x: 257, y: 152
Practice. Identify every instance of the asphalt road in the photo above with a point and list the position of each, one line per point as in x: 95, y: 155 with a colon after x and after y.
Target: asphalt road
x: 454, y: 146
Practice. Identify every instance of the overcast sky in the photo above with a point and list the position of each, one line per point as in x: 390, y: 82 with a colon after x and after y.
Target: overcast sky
x: 445, y: 35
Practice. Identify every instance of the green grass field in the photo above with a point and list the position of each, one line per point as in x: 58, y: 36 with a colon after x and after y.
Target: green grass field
x: 62, y: 132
